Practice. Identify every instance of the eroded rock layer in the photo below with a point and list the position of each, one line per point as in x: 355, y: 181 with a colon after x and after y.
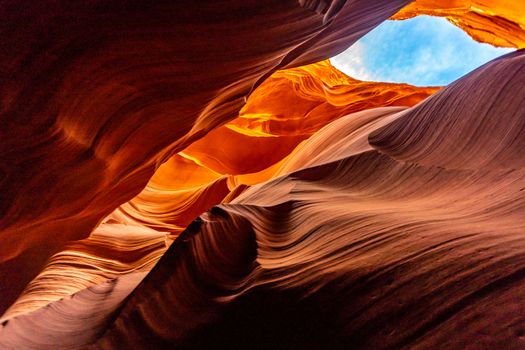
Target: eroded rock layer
x: 365, y: 251
x: 356, y: 247
x: 340, y: 215
x: 216, y: 169
x: 484, y: 130
x: 497, y: 22
x: 283, y: 112
x: 111, y: 250
x: 95, y: 96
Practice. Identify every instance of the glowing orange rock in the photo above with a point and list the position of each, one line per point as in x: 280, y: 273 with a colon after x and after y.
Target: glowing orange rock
x: 299, y: 101
x: 280, y: 114
x: 405, y: 239
x: 404, y: 244
x: 497, y: 22
x: 95, y: 96
x: 217, y: 168
x: 288, y: 108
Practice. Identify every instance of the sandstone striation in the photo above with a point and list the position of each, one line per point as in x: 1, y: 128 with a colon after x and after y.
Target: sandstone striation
x: 173, y: 176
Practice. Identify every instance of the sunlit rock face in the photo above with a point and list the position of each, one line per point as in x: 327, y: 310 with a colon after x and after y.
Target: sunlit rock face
x: 283, y: 112
x: 497, y: 22
x: 176, y: 178
x: 216, y: 169
x: 369, y: 250
x: 95, y: 96
x: 111, y: 250
x: 485, y: 130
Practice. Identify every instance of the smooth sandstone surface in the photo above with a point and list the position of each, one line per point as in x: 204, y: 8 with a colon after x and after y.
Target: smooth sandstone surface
x: 216, y: 169
x: 366, y: 251
x: 235, y: 190
x: 95, y: 96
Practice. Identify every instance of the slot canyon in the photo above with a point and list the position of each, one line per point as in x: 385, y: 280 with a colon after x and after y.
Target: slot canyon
x: 200, y: 175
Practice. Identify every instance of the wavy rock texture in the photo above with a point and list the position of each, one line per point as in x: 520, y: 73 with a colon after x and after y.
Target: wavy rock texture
x: 211, y: 171
x: 347, y: 220
x: 111, y: 250
x: 111, y: 91
x: 365, y: 251
x: 299, y: 101
x: 25, y: 314
x: 284, y: 111
x: 68, y: 323
x: 485, y: 130
x: 358, y: 248
x: 497, y: 22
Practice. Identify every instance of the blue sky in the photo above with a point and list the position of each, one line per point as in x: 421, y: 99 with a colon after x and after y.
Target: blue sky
x: 421, y: 51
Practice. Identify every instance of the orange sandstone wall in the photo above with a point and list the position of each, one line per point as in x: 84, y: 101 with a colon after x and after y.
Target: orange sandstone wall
x: 96, y: 95
x: 497, y: 22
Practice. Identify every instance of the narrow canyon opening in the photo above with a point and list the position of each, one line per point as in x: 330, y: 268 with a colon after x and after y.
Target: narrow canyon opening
x: 421, y: 51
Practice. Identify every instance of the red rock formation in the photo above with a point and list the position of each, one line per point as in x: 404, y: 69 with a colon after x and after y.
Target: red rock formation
x: 282, y: 112
x: 111, y: 250
x: 378, y: 228
x: 212, y: 170
x: 95, y: 96
x: 484, y: 130
x: 497, y: 22
x: 357, y: 248
x: 285, y: 110
x: 365, y: 251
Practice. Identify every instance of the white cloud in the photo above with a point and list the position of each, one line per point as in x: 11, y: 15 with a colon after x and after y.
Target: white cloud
x: 352, y: 63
